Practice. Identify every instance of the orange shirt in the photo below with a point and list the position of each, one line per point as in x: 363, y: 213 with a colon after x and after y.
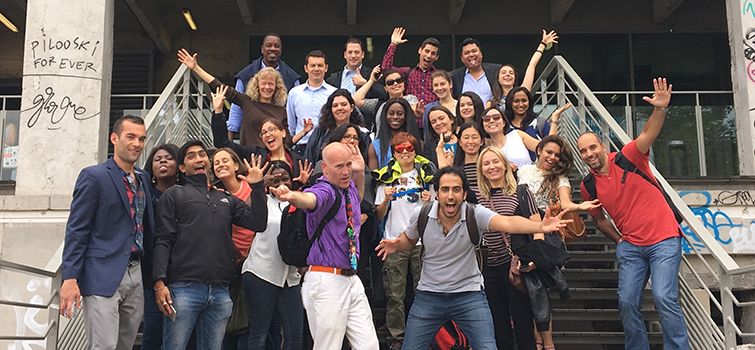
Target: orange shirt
x: 242, y: 238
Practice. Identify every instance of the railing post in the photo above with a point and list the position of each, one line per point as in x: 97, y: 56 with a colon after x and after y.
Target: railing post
x: 53, y: 318
x: 727, y: 305
x: 561, y: 93
x: 700, y: 136
x: 629, y: 117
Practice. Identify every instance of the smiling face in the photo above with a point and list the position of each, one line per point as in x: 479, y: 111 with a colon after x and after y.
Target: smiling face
x: 520, y: 103
x: 470, y: 141
x: 393, y: 88
x: 466, y: 108
x: 353, y: 55
x: 223, y: 166
x: 395, y: 116
x: 315, y: 68
x: 506, y: 77
x: 450, y: 194
x: 549, y: 156
x: 341, y: 109
x: 441, y: 87
x: 272, y: 136
x: 440, y: 122
x: 266, y: 87
x: 271, y: 50
x: 195, y: 161
x: 129, y: 144
x: 471, y: 56
x: 593, y: 152
x: 427, y: 56
x: 494, y: 123
x: 163, y: 165
x: 493, y: 167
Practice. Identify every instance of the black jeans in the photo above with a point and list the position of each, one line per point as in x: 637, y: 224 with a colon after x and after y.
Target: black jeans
x: 507, y: 303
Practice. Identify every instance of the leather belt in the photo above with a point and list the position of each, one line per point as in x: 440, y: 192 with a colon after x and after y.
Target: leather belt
x: 333, y: 270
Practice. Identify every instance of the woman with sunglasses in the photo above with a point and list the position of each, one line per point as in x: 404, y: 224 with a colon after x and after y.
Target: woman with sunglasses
x: 520, y: 115
x: 497, y: 191
x: 338, y: 110
x: 515, y: 144
x: 441, y: 136
x: 398, y: 116
x: 395, y: 86
x: 404, y: 186
x: 273, y: 133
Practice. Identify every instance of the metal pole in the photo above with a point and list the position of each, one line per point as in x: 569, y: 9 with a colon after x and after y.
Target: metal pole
x: 728, y: 309
x: 700, y: 136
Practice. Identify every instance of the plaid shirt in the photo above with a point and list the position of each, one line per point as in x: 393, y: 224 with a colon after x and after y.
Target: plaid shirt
x: 138, y: 201
x: 418, y: 83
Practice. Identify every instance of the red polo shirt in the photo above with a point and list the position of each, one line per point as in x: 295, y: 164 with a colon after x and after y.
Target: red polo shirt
x: 638, y: 208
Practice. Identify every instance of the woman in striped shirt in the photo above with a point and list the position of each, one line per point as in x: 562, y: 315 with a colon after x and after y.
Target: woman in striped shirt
x: 497, y: 191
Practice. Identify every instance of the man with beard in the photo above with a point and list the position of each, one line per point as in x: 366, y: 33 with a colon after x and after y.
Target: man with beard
x: 418, y: 79
x: 451, y: 284
x: 271, y: 52
x: 193, y: 255
x: 647, y: 235
x: 108, y: 234
x: 475, y: 76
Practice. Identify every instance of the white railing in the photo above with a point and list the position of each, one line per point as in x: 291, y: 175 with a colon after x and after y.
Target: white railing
x: 558, y: 84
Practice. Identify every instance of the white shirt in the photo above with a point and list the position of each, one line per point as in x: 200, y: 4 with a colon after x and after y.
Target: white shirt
x: 305, y: 101
x: 403, y: 206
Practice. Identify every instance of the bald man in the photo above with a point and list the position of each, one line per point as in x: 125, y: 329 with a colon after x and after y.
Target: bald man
x: 332, y: 294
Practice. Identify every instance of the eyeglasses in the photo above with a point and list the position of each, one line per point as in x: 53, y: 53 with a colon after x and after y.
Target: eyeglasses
x: 487, y: 118
x: 390, y: 82
x: 354, y: 138
x: 269, y: 130
x: 408, y: 147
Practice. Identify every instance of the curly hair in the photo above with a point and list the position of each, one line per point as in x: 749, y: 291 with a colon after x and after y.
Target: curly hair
x: 328, y: 121
x: 281, y: 92
x: 561, y: 168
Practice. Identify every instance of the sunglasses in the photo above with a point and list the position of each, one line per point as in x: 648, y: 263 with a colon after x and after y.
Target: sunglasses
x: 390, y: 82
x: 269, y: 130
x: 487, y: 118
x: 408, y: 147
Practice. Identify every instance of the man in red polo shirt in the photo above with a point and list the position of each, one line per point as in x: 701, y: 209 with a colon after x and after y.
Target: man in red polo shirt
x: 647, y: 235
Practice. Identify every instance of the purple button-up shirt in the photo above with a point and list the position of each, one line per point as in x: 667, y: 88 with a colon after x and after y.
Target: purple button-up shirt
x: 334, y: 240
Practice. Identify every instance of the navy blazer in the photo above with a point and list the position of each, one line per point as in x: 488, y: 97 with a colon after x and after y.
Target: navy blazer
x: 100, y: 230
x: 457, y: 77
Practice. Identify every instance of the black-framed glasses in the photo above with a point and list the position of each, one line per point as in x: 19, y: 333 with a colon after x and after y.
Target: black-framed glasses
x: 390, y: 82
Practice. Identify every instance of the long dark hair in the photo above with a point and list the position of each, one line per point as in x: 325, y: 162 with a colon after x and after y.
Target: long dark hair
x: 338, y: 133
x: 168, y: 147
x: 561, y: 168
x: 498, y: 89
x: 391, y: 71
x: 479, y: 106
x: 410, y: 123
x: 459, y: 157
x: 506, y: 123
x: 529, y: 116
x: 430, y: 131
x: 327, y: 120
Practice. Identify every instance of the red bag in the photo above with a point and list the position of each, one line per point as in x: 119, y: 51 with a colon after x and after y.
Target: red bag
x: 450, y: 337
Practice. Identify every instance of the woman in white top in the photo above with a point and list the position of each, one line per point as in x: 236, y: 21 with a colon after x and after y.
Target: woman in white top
x: 550, y: 173
x: 271, y: 285
x: 515, y: 144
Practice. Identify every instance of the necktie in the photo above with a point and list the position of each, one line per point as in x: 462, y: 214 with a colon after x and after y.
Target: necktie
x: 350, y: 231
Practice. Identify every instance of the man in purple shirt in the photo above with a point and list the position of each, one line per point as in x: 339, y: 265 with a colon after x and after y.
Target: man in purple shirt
x: 332, y: 293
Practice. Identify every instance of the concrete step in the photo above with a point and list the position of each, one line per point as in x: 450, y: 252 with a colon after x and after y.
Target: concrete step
x: 588, y: 256
x: 586, y: 274
x: 595, y: 294
x: 599, y: 314
x: 599, y: 337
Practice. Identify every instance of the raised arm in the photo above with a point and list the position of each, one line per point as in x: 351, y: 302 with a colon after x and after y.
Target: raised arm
x: 361, y: 93
x: 660, y: 101
x: 529, y: 74
x: 555, y: 116
x: 397, y: 38
x: 303, y: 200
x: 390, y: 246
x: 521, y: 225
x: 564, y: 195
x: 191, y: 62
x: 529, y: 141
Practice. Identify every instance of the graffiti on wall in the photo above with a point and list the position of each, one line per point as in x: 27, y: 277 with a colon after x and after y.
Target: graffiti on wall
x: 736, y: 233
x: 26, y: 323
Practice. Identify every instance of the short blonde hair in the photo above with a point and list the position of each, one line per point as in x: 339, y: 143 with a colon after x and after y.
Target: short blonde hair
x: 483, y: 182
x: 281, y: 92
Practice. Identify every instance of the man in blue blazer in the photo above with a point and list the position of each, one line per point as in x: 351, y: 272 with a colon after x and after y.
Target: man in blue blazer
x: 108, y: 235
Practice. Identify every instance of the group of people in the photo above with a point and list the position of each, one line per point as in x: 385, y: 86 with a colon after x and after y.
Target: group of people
x: 403, y: 164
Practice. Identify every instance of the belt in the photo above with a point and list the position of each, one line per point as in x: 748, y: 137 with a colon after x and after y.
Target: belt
x: 337, y: 271
x: 135, y: 256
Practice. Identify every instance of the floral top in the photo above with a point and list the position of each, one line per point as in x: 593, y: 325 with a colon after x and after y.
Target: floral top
x: 533, y: 177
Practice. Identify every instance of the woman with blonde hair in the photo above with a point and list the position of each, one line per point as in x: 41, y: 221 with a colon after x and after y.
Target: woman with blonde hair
x: 497, y: 190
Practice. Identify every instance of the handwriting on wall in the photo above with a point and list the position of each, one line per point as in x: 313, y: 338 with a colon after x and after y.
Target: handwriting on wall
x: 26, y: 324
x: 736, y: 234
x: 67, y: 59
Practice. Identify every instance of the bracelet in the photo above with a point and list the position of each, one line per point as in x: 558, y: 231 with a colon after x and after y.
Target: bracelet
x: 540, y: 51
x: 161, y: 288
x: 542, y: 42
x: 662, y: 108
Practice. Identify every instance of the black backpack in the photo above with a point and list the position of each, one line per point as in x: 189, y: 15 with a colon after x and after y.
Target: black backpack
x: 481, y: 251
x: 293, y: 240
x: 624, y: 163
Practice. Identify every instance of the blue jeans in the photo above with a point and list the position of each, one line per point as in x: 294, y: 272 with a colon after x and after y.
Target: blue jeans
x: 263, y: 298
x: 206, y: 306
x: 431, y: 310
x: 152, y: 334
x: 636, y: 265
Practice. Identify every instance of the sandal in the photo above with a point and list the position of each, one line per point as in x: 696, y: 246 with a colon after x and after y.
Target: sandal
x: 552, y: 347
x: 539, y: 346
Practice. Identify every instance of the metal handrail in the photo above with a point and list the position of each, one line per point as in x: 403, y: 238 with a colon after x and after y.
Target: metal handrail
x: 558, y: 84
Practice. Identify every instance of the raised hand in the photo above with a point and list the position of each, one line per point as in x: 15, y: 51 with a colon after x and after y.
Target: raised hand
x: 549, y: 38
x: 397, y: 37
x: 358, y: 80
x: 305, y: 170
x: 187, y: 59
x: 282, y: 193
x: 218, y: 97
x: 553, y: 223
x: 419, y: 109
x: 308, y: 125
x: 255, y: 170
x: 357, y: 161
x: 557, y: 113
x: 375, y: 75
x: 269, y: 178
x: 662, y: 95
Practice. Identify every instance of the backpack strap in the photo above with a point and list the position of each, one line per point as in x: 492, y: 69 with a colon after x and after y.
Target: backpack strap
x: 423, y: 217
x: 330, y: 214
x: 589, y: 182
x: 474, y: 233
x: 524, y: 201
x: 179, y: 202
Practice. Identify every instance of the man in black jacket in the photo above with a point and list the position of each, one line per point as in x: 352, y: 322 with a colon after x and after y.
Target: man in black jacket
x: 475, y: 76
x: 354, y: 75
x: 193, y: 255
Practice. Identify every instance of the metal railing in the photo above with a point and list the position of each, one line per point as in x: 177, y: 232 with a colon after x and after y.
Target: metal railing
x: 52, y: 305
x: 558, y: 84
